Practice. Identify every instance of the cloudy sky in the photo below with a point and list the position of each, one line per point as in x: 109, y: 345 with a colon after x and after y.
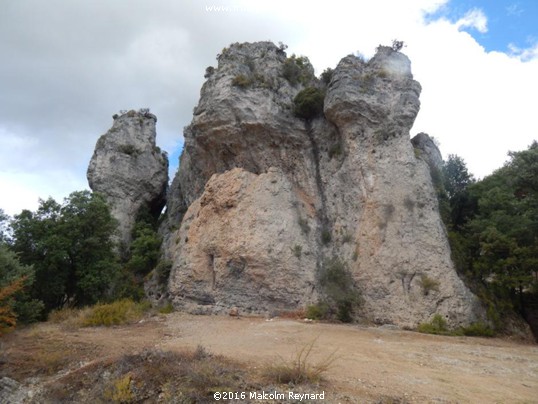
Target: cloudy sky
x: 69, y: 65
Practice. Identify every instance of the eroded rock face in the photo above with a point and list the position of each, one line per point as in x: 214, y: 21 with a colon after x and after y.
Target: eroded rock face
x: 256, y: 185
x: 404, y: 269
x: 130, y: 170
x: 239, y: 246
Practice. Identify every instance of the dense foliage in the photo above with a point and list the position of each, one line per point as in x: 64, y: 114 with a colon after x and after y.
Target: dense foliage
x: 298, y: 69
x: 70, y: 248
x: 309, y: 103
x: 493, y: 229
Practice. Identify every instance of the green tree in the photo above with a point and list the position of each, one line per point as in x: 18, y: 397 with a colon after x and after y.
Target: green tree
x: 70, y: 248
x: 456, y: 182
x: 4, y: 227
x: 503, y: 232
x: 18, y: 278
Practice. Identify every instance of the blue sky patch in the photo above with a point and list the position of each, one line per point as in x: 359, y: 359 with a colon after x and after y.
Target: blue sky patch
x: 509, y: 23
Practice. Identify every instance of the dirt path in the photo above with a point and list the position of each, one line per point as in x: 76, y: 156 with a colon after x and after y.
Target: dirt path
x: 374, y: 362
x: 373, y: 365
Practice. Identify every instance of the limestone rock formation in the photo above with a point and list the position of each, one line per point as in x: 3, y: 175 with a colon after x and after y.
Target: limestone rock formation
x: 130, y: 170
x: 263, y: 199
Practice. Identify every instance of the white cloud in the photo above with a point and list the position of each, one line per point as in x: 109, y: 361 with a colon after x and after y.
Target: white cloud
x: 474, y: 18
x: 62, y: 77
x: 524, y: 54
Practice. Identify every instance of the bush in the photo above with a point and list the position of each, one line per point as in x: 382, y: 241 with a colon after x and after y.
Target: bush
x: 128, y: 149
x: 167, y: 308
x: 309, y: 103
x: 428, y: 284
x: 317, y: 311
x: 120, y: 312
x: 327, y: 75
x: 341, y: 296
x: 326, y: 236
x: 297, y: 250
x: 242, y: 81
x: 120, y: 391
x: 303, y: 224
x: 478, y: 329
x: 8, y: 318
x: 300, y: 370
x: 335, y: 150
x: 298, y: 70
x: 438, y: 326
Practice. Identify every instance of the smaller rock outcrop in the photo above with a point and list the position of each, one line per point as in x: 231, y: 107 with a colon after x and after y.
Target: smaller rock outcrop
x: 130, y: 170
x: 426, y: 149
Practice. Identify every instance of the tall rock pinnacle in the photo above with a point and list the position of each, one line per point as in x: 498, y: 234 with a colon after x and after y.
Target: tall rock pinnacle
x: 267, y: 200
x: 130, y: 170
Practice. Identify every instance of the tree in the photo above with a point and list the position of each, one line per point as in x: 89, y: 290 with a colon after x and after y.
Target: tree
x: 503, y: 232
x: 8, y: 318
x: 456, y: 175
x: 15, y: 282
x: 70, y: 248
x: 456, y: 181
x: 4, y: 227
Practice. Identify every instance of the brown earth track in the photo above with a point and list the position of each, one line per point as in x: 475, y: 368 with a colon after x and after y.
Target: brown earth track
x: 373, y: 364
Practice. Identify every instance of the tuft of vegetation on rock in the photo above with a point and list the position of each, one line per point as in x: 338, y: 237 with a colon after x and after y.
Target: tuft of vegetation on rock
x: 340, y: 297
x: 298, y: 70
x: 308, y: 103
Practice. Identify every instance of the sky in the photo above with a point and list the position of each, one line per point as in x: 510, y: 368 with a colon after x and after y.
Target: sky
x: 68, y: 65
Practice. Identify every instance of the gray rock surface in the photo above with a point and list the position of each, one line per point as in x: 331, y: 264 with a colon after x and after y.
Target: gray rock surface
x: 262, y: 198
x: 12, y: 391
x: 426, y: 149
x: 130, y: 170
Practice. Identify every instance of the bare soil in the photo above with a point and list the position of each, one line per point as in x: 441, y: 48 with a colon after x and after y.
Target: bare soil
x: 377, y: 365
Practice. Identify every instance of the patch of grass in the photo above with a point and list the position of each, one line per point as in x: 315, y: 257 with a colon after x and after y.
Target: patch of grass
x: 346, y: 238
x: 335, y: 150
x: 242, y: 81
x: 293, y: 314
x: 317, y: 311
x: 303, y: 224
x: 326, y: 236
x: 166, y: 309
x: 428, y: 284
x: 297, y: 250
x: 478, y: 329
x: 120, y: 391
x: 123, y: 311
x: 438, y: 326
x: 300, y: 369
x: 70, y: 318
x: 128, y: 149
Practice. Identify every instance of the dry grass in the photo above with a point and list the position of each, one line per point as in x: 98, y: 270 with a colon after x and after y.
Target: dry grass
x: 297, y: 314
x: 33, y: 352
x: 191, y: 376
x: 69, y: 318
x: 119, y: 312
x: 301, y: 368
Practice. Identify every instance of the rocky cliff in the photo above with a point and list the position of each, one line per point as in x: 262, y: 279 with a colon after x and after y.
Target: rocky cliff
x: 130, y: 170
x: 267, y: 197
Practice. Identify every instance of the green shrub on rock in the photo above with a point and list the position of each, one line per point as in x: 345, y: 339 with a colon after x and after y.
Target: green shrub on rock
x: 308, y: 103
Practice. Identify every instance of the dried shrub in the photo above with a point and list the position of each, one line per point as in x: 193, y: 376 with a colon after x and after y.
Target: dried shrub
x: 428, y: 284
x: 123, y: 311
x: 300, y: 369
